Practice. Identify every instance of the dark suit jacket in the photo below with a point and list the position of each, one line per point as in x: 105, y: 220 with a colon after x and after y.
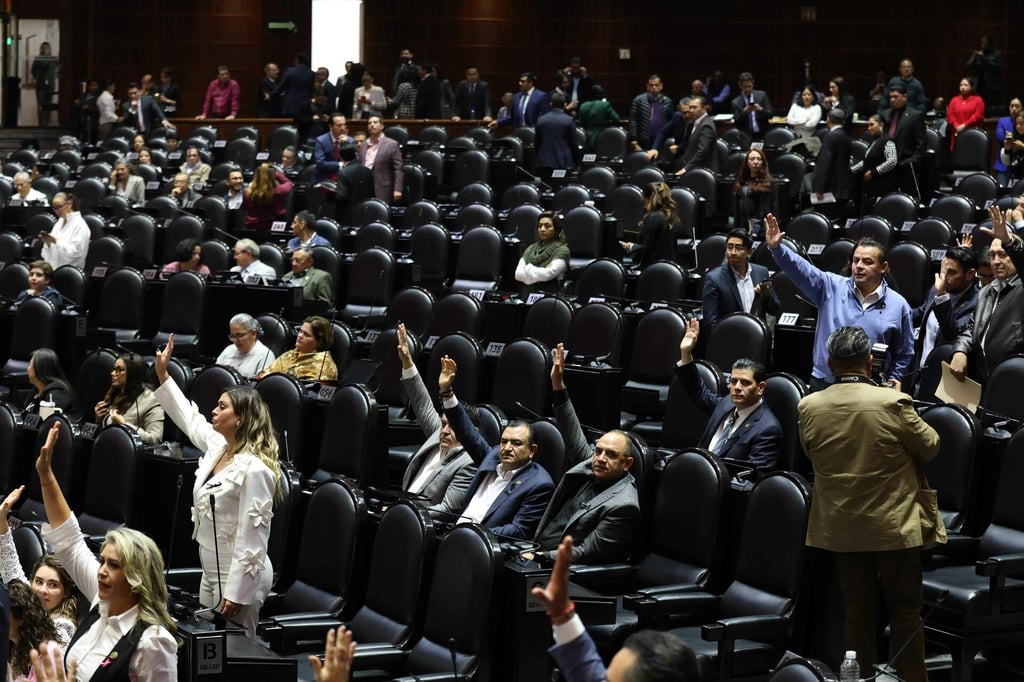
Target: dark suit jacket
x: 700, y: 148
x: 388, y: 177
x: 267, y: 106
x: 517, y: 510
x: 832, y: 169
x: 555, y: 141
x: 757, y: 440
x: 477, y: 105
x: 355, y: 183
x: 603, y: 527
x: 323, y: 156
x: 152, y: 114
x: 457, y: 469
x: 952, y: 319
x: 537, y: 105
x: 743, y: 120
x: 911, y: 141
x: 722, y: 297
x: 428, y: 98
x: 296, y: 90
x: 579, y: 661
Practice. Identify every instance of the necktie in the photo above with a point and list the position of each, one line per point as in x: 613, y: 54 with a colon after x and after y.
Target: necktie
x: 526, y: 100
x: 726, y: 430
x: 142, y: 123
x: 337, y: 150
x: 753, y: 114
x: 894, y: 124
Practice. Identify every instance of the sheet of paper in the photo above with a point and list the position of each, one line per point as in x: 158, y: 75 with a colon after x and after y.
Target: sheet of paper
x: 952, y: 390
x: 826, y: 198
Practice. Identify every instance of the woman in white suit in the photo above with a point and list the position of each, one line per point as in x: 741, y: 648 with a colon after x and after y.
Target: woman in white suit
x: 236, y: 483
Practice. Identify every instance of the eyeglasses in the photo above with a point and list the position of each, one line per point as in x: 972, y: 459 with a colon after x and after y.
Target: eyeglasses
x: 239, y: 336
x: 57, y: 207
x: 118, y: 370
x: 735, y: 247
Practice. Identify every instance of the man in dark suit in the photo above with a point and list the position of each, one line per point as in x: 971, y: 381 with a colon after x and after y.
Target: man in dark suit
x: 741, y: 426
x: 751, y: 109
x: 441, y: 467
x: 267, y: 106
x: 381, y: 155
x: 428, y: 95
x: 907, y: 130
x: 739, y: 286
x: 950, y: 305
x: 527, y: 106
x: 296, y: 88
x: 327, y: 151
x: 647, y: 655
x: 473, y: 98
x: 510, y: 491
x: 581, y: 83
x: 832, y: 168
x: 555, y: 139
x: 142, y: 112
x: 695, y: 145
x: 596, y: 500
x: 355, y: 183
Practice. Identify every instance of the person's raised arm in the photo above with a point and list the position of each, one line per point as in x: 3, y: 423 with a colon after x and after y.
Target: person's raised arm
x: 555, y: 595
x: 558, y: 368
x: 689, y: 341
x: 163, y: 357
x: 57, y: 509
x: 338, y: 654
x: 772, y: 233
x: 5, y: 508
x: 403, y: 347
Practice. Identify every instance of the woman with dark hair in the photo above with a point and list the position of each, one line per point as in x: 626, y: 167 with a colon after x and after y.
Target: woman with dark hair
x: 805, y: 114
x: 240, y: 471
x: 125, y: 183
x: 188, y: 255
x: 146, y: 156
x: 657, y: 238
x: 47, y: 378
x: 130, y: 401
x: 839, y: 96
x: 596, y: 114
x: 1012, y: 151
x: 265, y: 199
x: 311, y: 359
x: 53, y: 588
x: 1005, y: 133
x: 30, y: 627
x: 876, y: 169
x: 755, y: 194
x: 964, y: 111
x: 404, y: 101
x: 128, y: 634
x: 547, y: 259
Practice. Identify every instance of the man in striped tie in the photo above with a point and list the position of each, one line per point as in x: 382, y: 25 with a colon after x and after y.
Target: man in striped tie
x: 741, y: 426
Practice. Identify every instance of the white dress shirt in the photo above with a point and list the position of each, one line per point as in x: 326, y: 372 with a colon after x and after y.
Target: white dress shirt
x: 488, y: 491
x: 72, y: 245
x: 720, y: 434
x: 247, y: 364
x: 746, y: 288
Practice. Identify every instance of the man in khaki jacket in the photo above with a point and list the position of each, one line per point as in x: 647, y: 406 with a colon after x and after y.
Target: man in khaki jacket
x: 866, y: 443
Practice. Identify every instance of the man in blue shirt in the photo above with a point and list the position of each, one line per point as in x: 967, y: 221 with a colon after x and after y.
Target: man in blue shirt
x: 861, y: 300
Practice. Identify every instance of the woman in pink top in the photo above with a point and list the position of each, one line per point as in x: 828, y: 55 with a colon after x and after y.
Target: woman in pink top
x: 265, y: 198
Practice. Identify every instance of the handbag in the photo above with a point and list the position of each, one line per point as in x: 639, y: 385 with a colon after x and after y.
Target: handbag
x: 933, y: 530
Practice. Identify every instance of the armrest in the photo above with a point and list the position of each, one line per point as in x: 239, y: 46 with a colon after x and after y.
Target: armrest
x: 758, y: 628
x: 380, y: 656
x: 956, y: 545
x: 433, y: 677
x: 658, y: 590
x: 295, y: 635
x: 675, y: 604
x: 1005, y: 565
x: 591, y: 575
x: 302, y: 617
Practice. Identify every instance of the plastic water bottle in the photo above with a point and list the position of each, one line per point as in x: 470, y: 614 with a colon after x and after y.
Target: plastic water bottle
x: 849, y: 671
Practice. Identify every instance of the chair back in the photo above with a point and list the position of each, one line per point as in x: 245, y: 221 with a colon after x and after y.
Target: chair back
x: 350, y: 435
x: 521, y: 377
x: 595, y: 334
x: 285, y: 400
x: 739, y: 335
x: 110, y: 481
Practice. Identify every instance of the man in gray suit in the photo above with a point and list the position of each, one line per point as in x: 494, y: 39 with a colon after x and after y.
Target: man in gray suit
x: 596, y: 501
x: 441, y: 465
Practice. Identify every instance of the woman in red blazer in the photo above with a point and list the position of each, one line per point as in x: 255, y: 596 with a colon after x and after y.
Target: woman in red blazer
x: 964, y: 110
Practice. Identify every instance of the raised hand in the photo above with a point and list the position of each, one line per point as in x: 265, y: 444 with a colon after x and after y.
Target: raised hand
x: 163, y: 357
x: 403, y: 347
x: 45, y: 459
x: 338, y: 654
x: 7, y: 504
x: 689, y: 341
x: 999, y: 229
x: 558, y: 368
x: 555, y: 595
x: 447, y: 376
x: 772, y: 234
x: 49, y: 667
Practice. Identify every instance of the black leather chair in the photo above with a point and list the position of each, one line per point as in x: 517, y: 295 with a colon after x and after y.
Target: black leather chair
x: 31, y: 548
x: 368, y: 211
x: 978, y: 605
x: 595, y: 335
x: 953, y: 473
x: 10, y: 247
x: 182, y: 313
x: 208, y: 385
x: 241, y: 151
x: 121, y: 307
x: 627, y: 203
x: 756, y: 611
x: 113, y: 206
x: 457, y: 311
x: 412, y: 306
x: 954, y: 209
x: 1002, y: 390
x: 13, y: 280
x: 349, y: 437
x: 599, y: 179
x: 710, y: 252
x: 432, y: 162
x: 371, y: 279
x: 139, y: 234
x: 285, y: 400
x: 685, y: 541
x: 548, y: 320
x: 582, y: 227
x: 468, y: 355
x: 94, y: 378
x: 837, y: 256
x: 392, y: 610
x: 31, y: 509
x: 522, y: 222
x: 72, y: 284
x: 782, y: 394
x: 684, y: 421
x: 871, y: 227
x: 611, y: 144
x: 389, y: 389
x: 328, y: 574
x: 653, y: 362
x: 550, y: 448
x: 897, y: 208
x: 519, y: 194
x: 35, y: 327
x: 215, y: 209
x: 420, y: 213
x: 705, y: 184
x: 428, y: 250
x: 971, y: 152
x: 812, y: 230
x: 459, y: 630
x: 470, y: 166
x: 281, y: 137
x: 475, y: 193
x: 110, y: 480
x: 802, y: 670
x: 473, y: 215
x: 934, y: 234
x: 569, y: 197
x: 521, y: 376
x: 600, y: 279
x: 217, y: 255
x: 739, y: 335
x: 274, y: 256
x: 10, y: 433
x: 106, y: 251
x: 182, y: 227
x: 479, y: 263
x: 910, y: 265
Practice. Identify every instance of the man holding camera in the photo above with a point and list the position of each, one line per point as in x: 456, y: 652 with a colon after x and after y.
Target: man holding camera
x: 863, y: 299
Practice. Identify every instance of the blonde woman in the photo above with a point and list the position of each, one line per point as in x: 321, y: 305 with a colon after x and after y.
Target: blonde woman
x: 125, y: 587
x: 264, y: 200
x: 657, y: 238
x: 236, y: 483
